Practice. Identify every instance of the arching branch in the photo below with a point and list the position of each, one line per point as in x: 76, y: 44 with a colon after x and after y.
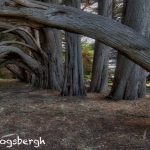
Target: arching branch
x: 130, y: 43
x: 19, y: 43
x: 15, y: 72
x: 27, y: 3
x: 6, y: 51
x: 5, y: 62
x: 26, y: 36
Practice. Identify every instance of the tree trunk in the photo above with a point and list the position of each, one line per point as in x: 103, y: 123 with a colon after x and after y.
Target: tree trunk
x: 52, y: 45
x: 74, y: 80
x: 50, y: 41
x: 99, y: 80
x: 130, y: 79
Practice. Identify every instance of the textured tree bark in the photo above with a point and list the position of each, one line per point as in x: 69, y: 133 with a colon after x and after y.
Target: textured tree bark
x: 40, y: 81
x: 24, y: 35
x: 129, y: 42
x: 51, y: 44
x: 99, y: 80
x: 130, y: 79
x: 20, y: 73
x: 10, y: 52
x: 33, y: 53
x: 74, y: 80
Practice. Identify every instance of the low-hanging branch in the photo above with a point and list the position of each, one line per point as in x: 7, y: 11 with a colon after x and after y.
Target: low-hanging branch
x: 19, y: 43
x: 15, y: 72
x: 129, y: 42
x: 25, y: 35
x: 30, y: 62
x: 5, y: 62
x: 29, y: 47
x: 27, y: 3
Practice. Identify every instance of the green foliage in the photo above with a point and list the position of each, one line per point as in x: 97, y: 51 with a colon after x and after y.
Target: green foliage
x: 87, y: 53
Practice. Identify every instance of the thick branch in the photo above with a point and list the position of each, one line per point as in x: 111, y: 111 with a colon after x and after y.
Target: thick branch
x: 27, y: 3
x: 5, y: 62
x: 15, y: 72
x: 19, y: 43
x: 130, y: 43
x: 5, y: 51
x: 26, y: 36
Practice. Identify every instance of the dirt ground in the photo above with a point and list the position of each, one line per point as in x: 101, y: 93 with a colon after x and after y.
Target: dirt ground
x: 90, y: 123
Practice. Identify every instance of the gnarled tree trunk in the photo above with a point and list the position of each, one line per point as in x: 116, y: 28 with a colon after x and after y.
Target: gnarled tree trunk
x: 130, y: 79
x: 74, y: 80
x: 51, y: 42
x: 99, y: 80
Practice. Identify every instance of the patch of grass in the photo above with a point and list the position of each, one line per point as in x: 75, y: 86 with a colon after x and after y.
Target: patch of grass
x: 87, y: 52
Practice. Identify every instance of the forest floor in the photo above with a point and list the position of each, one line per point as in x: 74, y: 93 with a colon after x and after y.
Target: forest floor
x: 67, y: 123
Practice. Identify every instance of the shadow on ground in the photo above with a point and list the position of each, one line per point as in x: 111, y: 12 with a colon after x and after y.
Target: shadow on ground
x: 90, y: 123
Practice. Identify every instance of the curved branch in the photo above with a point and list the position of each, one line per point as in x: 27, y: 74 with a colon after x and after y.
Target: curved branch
x: 6, y: 63
x: 129, y: 42
x: 27, y: 3
x: 15, y: 72
x: 31, y: 63
x: 19, y: 43
x: 26, y: 36
x: 30, y: 48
